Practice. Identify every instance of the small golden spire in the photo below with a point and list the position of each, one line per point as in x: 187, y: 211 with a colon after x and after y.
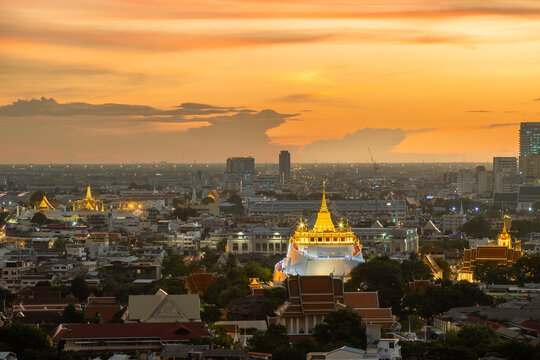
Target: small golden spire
x: 88, y: 193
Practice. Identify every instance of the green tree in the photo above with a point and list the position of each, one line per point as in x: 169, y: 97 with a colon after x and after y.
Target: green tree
x: 415, y: 269
x: 173, y: 265
x: 445, y: 267
x: 527, y: 269
x: 256, y: 270
x: 207, y: 200
x: 341, y: 328
x: 221, y: 245
x: 273, y: 341
x: 170, y: 286
x: 27, y: 341
x: 40, y: 219
x: 183, y: 213
x: 274, y: 298
x: 71, y: 315
x: 492, y: 273
x: 61, y: 243
x: 7, y: 296
x: 4, y: 217
x: 478, y: 228
x: 36, y: 198
x: 80, y: 288
x: 379, y: 274
x: 210, y: 314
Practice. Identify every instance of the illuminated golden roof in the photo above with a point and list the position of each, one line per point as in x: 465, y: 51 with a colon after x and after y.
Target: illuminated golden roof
x: 45, y: 204
x: 324, y: 220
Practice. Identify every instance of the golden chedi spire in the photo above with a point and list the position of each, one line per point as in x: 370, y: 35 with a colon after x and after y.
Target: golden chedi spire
x: 88, y: 193
x: 324, y: 220
x: 504, y: 238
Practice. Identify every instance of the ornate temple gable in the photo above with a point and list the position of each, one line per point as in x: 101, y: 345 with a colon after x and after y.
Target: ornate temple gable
x: 166, y: 309
x: 45, y: 204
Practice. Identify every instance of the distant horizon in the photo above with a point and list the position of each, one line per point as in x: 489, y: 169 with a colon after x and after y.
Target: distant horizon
x: 256, y: 163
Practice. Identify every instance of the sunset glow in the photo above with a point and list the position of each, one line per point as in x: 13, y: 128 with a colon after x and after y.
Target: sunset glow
x: 451, y: 80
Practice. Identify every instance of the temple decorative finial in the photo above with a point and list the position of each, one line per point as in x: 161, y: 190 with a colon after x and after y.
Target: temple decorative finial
x: 88, y: 192
x: 323, y: 203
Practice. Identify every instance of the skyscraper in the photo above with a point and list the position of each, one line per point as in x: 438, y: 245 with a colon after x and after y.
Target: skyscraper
x: 504, y: 174
x: 284, y: 166
x: 529, y: 149
x: 238, y: 169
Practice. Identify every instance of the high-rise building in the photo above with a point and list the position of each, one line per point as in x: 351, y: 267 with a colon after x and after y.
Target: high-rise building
x: 239, y: 169
x: 284, y: 166
x: 504, y: 173
x: 529, y: 149
x: 465, y: 181
x: 484, y: 182
x: 240, y: 165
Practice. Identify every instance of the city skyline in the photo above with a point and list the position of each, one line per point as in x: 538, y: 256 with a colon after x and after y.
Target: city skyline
x: 157, y: 81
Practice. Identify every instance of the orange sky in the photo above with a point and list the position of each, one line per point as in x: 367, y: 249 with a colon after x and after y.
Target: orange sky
x: 455, y: 77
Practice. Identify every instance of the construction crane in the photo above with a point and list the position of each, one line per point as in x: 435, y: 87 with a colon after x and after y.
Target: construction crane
x: 375, y: 165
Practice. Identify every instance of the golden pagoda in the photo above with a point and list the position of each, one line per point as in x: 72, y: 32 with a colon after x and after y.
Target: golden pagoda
x: 45, y: 204
x: 503, y: 253
x: 322, y: 250
x: 88, y: 203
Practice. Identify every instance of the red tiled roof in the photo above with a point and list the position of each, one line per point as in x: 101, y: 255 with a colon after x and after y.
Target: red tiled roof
x: 106, y: 313
x: 529, y: 324
x: 375, y: 315
x: 165, y: 331
x: 361, y: 299
x: 316, y: 284
x: 101, y: 300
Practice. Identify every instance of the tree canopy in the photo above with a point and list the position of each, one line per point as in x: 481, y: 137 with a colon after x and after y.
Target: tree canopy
x: 479, y: 228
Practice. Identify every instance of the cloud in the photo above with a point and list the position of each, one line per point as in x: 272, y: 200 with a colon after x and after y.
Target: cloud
x: 537, y: 99
x: 123, y: 132
x: 478, y: 111
x: 50, y: 107
x: 354, y: 147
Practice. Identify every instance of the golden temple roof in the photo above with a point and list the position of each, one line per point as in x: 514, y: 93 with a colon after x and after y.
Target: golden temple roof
x: 324, y: 220
x: 45, y: 204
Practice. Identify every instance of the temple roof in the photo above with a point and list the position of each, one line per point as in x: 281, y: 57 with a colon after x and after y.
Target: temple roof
x: 45, y: 204
x: 324, y: 220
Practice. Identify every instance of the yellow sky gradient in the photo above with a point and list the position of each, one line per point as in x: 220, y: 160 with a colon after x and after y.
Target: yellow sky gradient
x: 445, y: 72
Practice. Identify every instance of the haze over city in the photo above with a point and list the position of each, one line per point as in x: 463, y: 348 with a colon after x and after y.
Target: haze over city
x: 123, y: 81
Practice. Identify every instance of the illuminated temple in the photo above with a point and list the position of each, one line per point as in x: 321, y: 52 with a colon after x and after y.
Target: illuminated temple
x: 504, y: 253
x: 88, y: 203
x: 322, y: 250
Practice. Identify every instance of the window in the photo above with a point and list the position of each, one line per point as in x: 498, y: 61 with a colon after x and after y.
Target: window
x: 391, y: 345
x: 235, y: 246
x: 265, y: 248
x: 244, y: 247
x: 257, y: 247
x: 271, y: 247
